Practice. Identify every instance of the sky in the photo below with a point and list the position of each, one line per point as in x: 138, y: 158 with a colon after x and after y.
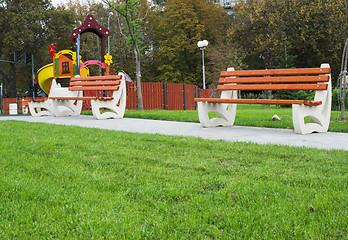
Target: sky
x: 58, y: 2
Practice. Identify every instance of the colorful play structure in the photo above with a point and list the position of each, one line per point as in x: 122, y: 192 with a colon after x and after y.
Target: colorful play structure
x: 107, y: 93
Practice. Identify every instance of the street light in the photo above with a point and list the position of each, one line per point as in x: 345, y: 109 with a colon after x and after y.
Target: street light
x: 110, y: 14
x: 202, y: 45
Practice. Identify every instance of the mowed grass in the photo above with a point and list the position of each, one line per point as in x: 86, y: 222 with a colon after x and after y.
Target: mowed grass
x: 247, y: 115
x: 67, y: 182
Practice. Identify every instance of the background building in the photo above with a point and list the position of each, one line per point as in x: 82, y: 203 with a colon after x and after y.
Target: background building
x: 226, y: 3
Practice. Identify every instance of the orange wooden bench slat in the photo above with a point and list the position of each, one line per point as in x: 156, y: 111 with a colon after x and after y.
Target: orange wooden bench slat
x: 95, y: 83
x: 39, y: 100
x: 277, y: 72
x: 83, y: 98
x: 260, y: 87
x: 287, y: 79
x: 94, y: 88
x: 259, y: 101
x: 94, y: 78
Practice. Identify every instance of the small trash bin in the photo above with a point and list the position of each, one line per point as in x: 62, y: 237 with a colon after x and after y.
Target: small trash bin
x: 25, y: 110
x: 25, y: 107
x: 13, y: 109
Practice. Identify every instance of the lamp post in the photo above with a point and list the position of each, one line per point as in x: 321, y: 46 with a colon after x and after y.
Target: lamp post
x: 110, y: 14
x: 202, y: 45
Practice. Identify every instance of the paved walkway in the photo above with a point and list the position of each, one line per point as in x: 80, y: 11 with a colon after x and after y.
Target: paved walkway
x: 328, y: 140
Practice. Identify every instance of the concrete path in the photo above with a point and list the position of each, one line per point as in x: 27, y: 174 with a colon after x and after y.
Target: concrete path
x: 328, y: 140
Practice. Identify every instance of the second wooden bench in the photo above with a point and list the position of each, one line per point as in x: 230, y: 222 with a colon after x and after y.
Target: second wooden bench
x: 106, y: 93
x: 316, y: 79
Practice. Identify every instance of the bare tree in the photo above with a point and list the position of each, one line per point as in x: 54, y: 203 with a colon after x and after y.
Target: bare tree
x: 129, y: 10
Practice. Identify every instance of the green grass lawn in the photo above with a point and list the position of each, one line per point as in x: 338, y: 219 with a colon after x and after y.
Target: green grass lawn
x: 247, y: 115
x: 67, y: 182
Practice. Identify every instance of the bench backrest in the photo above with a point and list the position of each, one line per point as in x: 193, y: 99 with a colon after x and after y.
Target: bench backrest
x: 95, y: 83
x: 276, y: 79
x: 97, y: 86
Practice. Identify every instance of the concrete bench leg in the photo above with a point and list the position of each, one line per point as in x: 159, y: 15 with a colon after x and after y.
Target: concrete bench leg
x: 38, y: 109
x: 114, y: 108
x: 319, y: 114
x: 61, y: 108
x: 227, y: 112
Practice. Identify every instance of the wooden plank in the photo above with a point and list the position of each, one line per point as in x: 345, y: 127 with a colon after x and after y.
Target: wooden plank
x: 95, y: 78
x: 190, y: 95
x: 39, y: 100
x: 261, y: 87
x: 175, y: 100
x: 260, y: 101
x: 277, y: 72
x: 288, y: 79
x: 95, y: 83
x: 83, y: 98
x: 131, y: 96
x: 205, y: 92
x: 94, y: 88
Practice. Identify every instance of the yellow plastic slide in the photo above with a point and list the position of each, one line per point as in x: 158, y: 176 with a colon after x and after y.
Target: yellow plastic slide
x: 45, y: 76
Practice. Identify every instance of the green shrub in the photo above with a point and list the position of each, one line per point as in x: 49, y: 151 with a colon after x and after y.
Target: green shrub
x: 250, y: 95
x: 294, y: 95
x: 336, y: 99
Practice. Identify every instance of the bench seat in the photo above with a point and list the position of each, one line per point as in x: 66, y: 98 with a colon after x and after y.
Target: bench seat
x: 84, y: 98
x: 260, y: 101
x: 39, y: 100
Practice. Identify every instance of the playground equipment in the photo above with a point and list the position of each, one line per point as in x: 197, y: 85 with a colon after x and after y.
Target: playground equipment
x: 61, y: 68
x: 45, y: 77
x: 104, y: 93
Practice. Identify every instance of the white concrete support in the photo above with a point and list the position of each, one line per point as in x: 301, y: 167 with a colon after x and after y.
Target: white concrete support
x: 227, y: 112
x: 319, y: 114
x: 61, y: 108
x: 115, y: 107
x: 38, y: 109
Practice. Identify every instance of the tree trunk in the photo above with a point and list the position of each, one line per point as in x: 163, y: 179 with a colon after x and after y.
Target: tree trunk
x: 343, y: 97
x: 130, y: 10
x: 10, y: 80
x: 138, y: 76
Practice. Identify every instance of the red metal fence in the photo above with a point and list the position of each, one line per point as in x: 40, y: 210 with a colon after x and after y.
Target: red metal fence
x: 156, y: 95
x: 168, y: 96
x: 21, y: 102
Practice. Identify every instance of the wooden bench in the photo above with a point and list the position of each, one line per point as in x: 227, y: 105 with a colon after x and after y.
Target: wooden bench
x: 316, y: 79
x: 105, y: 93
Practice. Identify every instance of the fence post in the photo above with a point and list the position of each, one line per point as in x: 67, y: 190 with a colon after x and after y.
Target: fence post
x: 184, y: 95
x: 17, y: 101
x: 165, y: 96
x: 196, y: 97
x: 2, y: 107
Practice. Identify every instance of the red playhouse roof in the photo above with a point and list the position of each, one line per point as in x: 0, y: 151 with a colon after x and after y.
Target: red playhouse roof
x: 90, y: 25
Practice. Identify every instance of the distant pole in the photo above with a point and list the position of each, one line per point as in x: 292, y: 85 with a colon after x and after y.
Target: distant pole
x: 110, y: 14
x: 2, y: 110
x: 203, y: 68
x: 33, y: 75
x: 202, y: 45
x: 78, y: 54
